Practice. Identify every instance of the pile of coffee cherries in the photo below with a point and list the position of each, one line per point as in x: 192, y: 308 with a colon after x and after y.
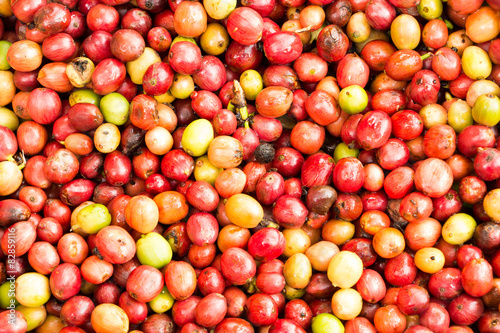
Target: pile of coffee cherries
x: 281, y: 166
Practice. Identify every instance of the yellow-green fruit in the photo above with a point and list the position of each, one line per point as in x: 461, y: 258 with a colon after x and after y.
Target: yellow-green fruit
x: 481, y: 87
x: 8, y: 119
x: 206, y: 171
x: 327, y: 323
x: 93, y: 218
x: 182, y: 39
x: 342, y: 150
x: 353, y: 99
x: 458, y: 229
x: 84, y: 96
x: 138, y: 67
x: 292, y: 293
x: 34, y: 316
x: 219, y: 9
x: 32, y: 289
x: 430, y: 9
x: 252, y: 84
x: 476, y: 63
x: 165, y: 98
x: 4, y: 47
x: 197, y: 137
x: 153, y: 250
x: 115, y: 108
x: 8, y: 295
x: 486, y: 110
x: 182, y: 87
x: 163, y: 302
x: 460, y: 115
